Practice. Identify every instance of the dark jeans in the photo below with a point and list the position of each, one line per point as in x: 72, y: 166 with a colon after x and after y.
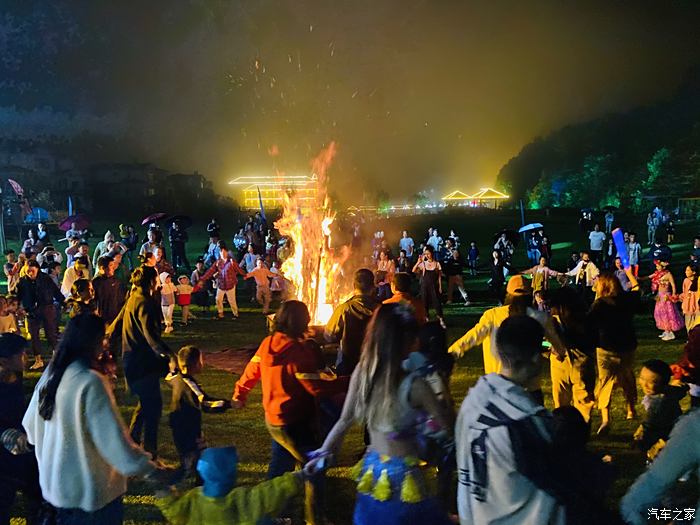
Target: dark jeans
x: 43, y: 317
x: 19, y: 473
x: 110, y: 514
x: 146, y: 416
x: 180, y: 257
x: 290, y: 443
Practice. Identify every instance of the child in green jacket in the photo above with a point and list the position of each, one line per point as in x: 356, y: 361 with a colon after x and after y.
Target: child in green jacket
x: 219, y: 501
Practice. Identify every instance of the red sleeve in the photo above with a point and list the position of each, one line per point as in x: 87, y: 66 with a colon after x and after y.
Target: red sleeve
x: 248, y: 380
x: 207, y: 275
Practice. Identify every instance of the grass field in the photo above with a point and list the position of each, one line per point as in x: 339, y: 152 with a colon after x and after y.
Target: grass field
x: 246, y: 430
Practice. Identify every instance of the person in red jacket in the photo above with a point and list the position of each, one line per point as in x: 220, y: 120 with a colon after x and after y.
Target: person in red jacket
x: 293, y: 373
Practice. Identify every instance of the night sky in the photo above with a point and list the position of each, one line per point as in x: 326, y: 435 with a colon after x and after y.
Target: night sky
x: 418, y: 94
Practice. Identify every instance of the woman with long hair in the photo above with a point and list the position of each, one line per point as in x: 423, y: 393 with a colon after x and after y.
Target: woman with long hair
x: 666, y: 314
x: 391, y: 485
x: 146, y: 357
x: 612, y: 320
x: 430, y: 282
x: 81, y: 444
x: 384, y: 274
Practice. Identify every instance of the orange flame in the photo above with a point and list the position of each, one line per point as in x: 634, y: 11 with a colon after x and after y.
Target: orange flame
x: 313, y: 268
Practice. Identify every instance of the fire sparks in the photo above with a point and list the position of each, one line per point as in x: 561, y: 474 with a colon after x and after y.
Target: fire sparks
x: 313, y: 267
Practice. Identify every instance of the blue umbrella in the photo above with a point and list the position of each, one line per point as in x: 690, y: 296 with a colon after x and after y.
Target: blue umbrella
x: 37, y: 215
x: 530, y: 227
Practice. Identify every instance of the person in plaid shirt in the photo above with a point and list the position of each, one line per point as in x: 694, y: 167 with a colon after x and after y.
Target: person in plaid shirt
x: 226, y: 270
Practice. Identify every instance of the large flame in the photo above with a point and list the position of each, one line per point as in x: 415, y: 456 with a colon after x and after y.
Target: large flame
x: 313, y: 268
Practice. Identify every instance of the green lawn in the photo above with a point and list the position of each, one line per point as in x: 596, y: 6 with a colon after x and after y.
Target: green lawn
x: 246, y: 430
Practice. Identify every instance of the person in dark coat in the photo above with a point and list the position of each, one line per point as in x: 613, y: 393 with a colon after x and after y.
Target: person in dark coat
x: 349, y: 322
x: 109, y: 292
x: 146, y: 357
x: 18, y: 465
x: 37, y: 292
x: 178, y: 239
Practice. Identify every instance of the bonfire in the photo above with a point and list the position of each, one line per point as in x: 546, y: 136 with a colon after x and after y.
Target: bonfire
x: 313, y: 267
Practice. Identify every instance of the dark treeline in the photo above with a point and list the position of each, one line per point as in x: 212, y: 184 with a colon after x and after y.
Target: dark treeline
x: 616, y: 160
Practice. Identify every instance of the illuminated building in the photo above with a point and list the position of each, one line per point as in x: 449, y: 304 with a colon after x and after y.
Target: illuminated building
x: 273, y: 189
x: 484, y: 198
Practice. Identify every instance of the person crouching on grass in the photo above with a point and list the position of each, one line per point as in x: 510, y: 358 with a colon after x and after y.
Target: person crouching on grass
x: 188, y: 403
x: 262, y: 278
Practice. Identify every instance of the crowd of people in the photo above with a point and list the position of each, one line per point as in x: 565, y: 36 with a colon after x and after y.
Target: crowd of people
x: 500, y: 457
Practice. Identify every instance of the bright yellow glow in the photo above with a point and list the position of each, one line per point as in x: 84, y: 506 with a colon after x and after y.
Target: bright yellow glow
x: 489, y: 193
x: 456, y: 196
x: 482, y: 194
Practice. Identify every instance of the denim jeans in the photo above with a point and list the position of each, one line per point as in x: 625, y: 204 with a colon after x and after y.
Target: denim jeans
x: 110, y: 514
x: 146, y: 416
x: 290, y: 443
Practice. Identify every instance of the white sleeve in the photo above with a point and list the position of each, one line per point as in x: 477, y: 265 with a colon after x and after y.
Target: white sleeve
x: 109, y: 433
x: 29, y: 419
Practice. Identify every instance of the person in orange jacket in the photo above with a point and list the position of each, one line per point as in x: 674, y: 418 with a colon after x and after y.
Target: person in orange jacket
x: 293, y: 373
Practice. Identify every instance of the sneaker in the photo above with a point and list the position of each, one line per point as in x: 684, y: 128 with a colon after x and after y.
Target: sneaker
x: 218, y: 318
x: 467, y: 302
x: 670, y: 336
x: 38, y: 363
x: 662, y: 335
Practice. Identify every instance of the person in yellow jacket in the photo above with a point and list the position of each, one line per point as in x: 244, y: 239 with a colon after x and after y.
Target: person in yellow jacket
x: 219, y: 501
x: 518, y: 302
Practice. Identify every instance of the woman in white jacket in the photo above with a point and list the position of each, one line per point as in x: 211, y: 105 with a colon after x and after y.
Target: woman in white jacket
x: 81, y: 444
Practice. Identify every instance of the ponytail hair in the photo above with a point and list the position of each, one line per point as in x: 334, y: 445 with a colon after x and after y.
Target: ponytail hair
x: 81, y: 341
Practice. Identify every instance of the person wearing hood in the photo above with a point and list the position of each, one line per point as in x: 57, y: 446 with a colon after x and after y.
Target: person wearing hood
x: 167, y: 299
x: 102, y: 247
x: 218, y: 500
x: 292, y: 372
x: 349, y: 321
x: 503, y: 435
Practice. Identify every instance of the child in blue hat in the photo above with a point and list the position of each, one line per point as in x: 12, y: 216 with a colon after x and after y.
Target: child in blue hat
x: 218, y: 500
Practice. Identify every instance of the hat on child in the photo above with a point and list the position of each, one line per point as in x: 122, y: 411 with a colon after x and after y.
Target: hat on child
x: 219, y: 470
x: 11, y: 344
x: 164, y: 277
x: 182, y: 278
x: 123, y: 231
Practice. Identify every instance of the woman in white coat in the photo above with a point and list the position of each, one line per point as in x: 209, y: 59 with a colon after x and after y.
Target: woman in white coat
x: 82, y: 446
